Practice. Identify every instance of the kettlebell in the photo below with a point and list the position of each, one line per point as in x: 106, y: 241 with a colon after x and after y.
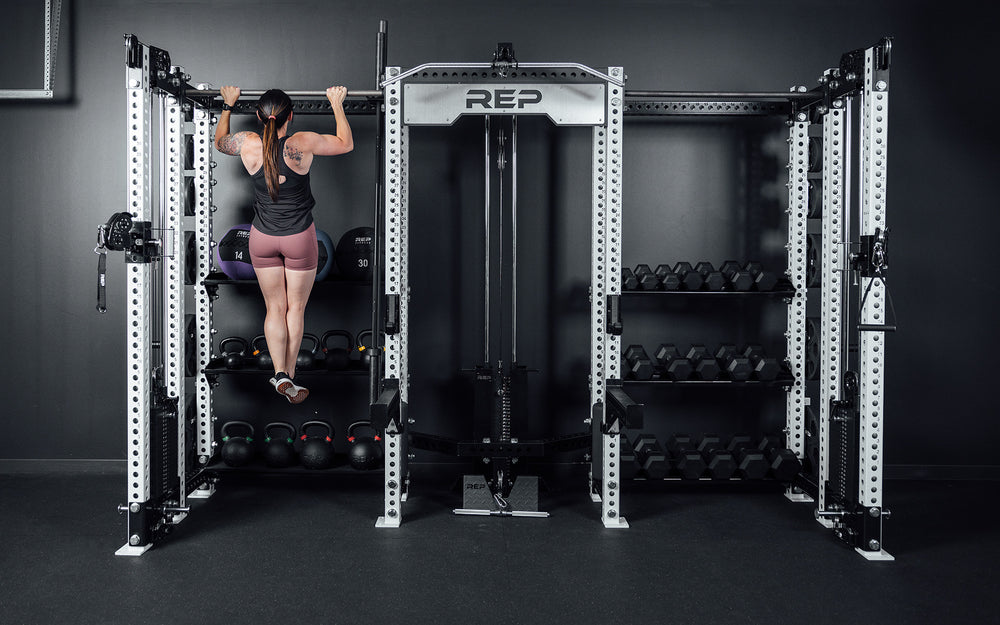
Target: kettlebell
x: 279, y: 451
x: 306, y: 359
x: 259, y: 347
x: 366, y: 451
x: 362, y: 355
x: 232, y: 358
x: 317, y: 451
x: 337, y: 358
x: 237, y: 451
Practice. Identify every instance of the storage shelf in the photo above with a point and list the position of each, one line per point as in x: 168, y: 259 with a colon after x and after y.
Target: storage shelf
x: 784, y: 380
x: 216, y: 367
x: 216, y: 278
x: 783, y: 289
x: 341, y: 465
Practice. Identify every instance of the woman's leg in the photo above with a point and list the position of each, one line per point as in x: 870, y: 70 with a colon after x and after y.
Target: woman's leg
x: 272, y: 286
x: 298, y: 286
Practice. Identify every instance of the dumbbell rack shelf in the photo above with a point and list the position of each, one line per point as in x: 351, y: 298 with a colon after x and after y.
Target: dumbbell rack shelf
x: 784, y: 380
x: 784, y: 289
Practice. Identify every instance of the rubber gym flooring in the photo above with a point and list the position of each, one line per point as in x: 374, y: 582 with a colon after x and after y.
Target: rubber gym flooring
x: 285, y: 549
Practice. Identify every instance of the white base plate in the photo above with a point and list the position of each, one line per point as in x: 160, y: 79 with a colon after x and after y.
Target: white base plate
x: 881, y: 555
x: 129, y: 550
x: 384, y: 522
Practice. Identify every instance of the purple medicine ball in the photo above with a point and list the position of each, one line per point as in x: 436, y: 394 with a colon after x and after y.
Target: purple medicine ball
x: 233, y: 253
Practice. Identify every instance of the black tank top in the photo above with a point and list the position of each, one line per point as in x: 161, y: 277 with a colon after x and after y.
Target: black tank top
x: 292, y: 213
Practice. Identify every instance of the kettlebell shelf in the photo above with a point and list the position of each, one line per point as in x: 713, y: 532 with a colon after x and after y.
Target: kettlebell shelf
x: 218, y: 367
x: 341, y: 465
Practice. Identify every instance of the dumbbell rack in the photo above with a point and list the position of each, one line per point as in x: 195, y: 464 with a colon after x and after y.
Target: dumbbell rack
x: 847, y: 487
x: 171, y: 442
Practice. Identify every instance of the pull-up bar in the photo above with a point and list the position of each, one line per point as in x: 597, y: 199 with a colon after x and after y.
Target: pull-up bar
x: 357, y: 93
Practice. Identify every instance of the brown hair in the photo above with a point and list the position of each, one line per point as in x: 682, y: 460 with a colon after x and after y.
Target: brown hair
x: 273, y: 109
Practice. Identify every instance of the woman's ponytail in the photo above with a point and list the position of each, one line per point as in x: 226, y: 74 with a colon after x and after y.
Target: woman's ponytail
x: 273, y: 110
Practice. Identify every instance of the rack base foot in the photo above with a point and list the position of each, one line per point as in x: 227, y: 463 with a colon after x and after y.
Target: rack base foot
x: 880, y: 556
x: 133, y: 551
x: 382, y: 522
x: 798, y: 497
x: 202, y: 493
x: 616, y: 524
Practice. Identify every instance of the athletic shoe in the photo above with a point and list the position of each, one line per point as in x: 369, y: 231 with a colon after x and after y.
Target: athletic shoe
x: 286, y: 387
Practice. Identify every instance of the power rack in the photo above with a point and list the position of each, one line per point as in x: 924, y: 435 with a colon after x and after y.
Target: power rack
x: 169, y: 406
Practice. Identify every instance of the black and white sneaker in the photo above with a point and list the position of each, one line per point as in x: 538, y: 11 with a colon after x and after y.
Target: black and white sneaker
x: 285, y: 386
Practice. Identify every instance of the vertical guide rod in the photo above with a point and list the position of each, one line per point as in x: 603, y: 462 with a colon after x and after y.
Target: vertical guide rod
x: 513, y: 227
x: 374, y: 373
x: 486, y: 277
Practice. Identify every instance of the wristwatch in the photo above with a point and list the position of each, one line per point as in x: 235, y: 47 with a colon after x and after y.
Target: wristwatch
x: 226, y: 107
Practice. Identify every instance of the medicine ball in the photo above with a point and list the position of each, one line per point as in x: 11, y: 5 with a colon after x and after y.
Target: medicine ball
x: 326, y: 255
x: 356, y: 253
x: 233, y: 253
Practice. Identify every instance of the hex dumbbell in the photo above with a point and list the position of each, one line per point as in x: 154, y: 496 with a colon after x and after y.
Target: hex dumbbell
x: 714, y: 280
x: 765, y: 368
x: 648, y: 281
x: 751, y: 463
x: 719, y: 461
x: 704, y: 365
x: 668, y: 278
x: 673, y: 366
x: 638, y: 363
x: 762, y: 280
x: 739, y: 278
x: 629, y: 281
x: 784, y: 464
x: 651, y: 457
x: 736, y: 366
x: 690, y: 279
x: 687, y: 461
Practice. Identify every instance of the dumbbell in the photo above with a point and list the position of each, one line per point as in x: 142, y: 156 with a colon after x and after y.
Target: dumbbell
x: 670, y: 280
x: 714, y: 280
x: 627, y: 462
x: 739, y: 278
x: 638, y: 363
x: 762, y: 280
x: 629, y: 281
x: 648, y: 281
x: 690, y: 279
x: 674, y: 367
x: 751, y: 463
x: 705, y: 366
x: 783, y: 462
x: 718, y: 460
x: 765, y: 368
x: 685, y: 457
x: 736, y: 365
x: 812, y: 348
x: 651, y: 457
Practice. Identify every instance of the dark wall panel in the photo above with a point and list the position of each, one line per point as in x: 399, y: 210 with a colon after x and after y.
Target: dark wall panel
x: 63, y: 173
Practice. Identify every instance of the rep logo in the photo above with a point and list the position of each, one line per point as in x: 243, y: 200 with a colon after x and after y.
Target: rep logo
x: 502, y: 98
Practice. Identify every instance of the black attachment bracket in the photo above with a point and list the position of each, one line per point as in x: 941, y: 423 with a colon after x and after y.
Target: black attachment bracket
x: 385, y: 410
x: 622, y: 408
x: 503, y: 58
x: 614, y: 315
x: 392, y: 314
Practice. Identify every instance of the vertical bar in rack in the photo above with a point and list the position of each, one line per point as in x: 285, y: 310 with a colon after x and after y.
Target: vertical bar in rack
x: 203, y: 129
x: 173, y: 267
x: 871, y: 345
x: 139, y: 276
x: 394, y: 281
x: 798, y: 209
x: 608, y: 226
x: 832, y: 287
